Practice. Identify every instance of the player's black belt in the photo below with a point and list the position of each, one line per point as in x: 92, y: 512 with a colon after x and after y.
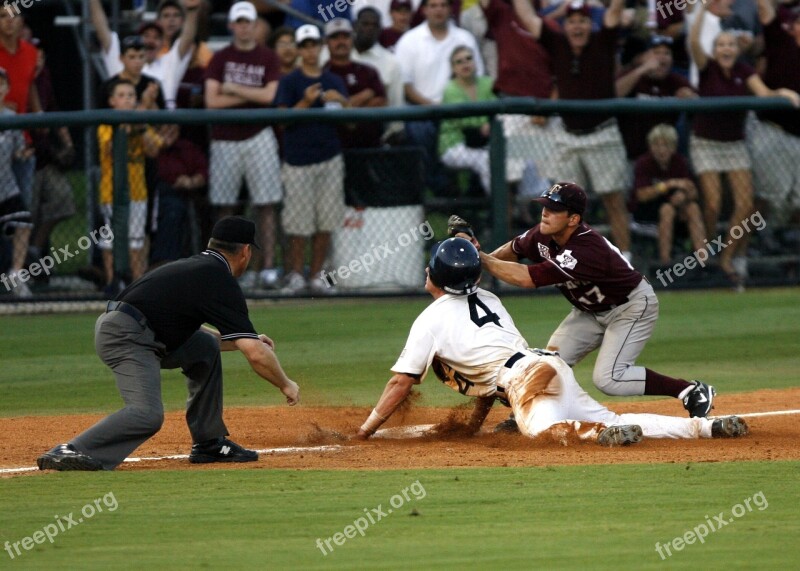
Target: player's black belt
x: 513, y: 359
x: 128, y: 309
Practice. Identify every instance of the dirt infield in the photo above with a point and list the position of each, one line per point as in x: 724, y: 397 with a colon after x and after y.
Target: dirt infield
x: 771, y: 438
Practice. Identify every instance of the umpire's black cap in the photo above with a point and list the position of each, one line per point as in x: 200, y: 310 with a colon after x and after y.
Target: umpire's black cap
x: 235, y: 229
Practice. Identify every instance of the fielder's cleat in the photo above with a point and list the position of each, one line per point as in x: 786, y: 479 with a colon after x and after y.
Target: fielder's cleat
x: 729, y: 427
x: 622, y: 435
x: 508, y: 426
x: 220, y: 450
x: 64, y: 457
x: 700, y: 399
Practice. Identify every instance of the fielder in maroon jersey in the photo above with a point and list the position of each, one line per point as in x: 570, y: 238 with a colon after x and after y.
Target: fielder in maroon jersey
x: 615, y: 307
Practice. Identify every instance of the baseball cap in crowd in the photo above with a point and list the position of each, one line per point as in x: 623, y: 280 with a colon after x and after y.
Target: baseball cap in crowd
x: 338, y: 26
x: 152, y: 24
x: 401, y: 5
x: 132, y: 43
x: 564, y: 196
x: 658, y: 40
x: 235, y: 229
x: 578, y: 7
x: 242, y: 10
x: 307, y: 32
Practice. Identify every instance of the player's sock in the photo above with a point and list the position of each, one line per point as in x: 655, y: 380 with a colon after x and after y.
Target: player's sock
x: 658, y: 384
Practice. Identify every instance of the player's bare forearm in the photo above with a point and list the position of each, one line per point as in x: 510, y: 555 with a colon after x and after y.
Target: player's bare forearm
x: 397, y: 390
x: 505, y: 253
x: 512, y: 273
x: 482, y: 407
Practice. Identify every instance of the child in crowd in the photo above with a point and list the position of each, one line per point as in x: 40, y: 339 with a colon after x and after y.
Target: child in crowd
x: 142, y: 141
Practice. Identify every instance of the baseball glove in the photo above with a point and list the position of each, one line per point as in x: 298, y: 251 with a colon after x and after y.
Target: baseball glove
x: 457, y: 225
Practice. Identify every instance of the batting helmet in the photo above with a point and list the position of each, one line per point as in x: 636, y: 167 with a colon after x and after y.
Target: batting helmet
x: 455, y: 266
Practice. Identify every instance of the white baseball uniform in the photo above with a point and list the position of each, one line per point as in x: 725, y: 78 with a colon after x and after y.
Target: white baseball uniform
x: 475, y: 348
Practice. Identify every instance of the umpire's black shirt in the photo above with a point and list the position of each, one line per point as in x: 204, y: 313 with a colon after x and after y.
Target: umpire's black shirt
x: 181, y: 296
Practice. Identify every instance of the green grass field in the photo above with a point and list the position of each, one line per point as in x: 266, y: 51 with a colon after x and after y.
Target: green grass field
x: 595, y: 517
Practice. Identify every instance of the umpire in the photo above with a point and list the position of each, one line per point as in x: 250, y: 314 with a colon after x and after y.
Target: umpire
x: 157, y: 323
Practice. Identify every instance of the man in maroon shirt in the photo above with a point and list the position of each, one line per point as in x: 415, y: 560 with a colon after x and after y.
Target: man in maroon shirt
x: 245, y: 75
x: 652, y: 78
x: 615, y: 308
x: 364, y: 85
x: 588, y: 146
x: 774, y: 139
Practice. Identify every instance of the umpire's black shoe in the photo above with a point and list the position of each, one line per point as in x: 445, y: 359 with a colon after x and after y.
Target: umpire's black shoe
x: 220, y: 450
x: 65, y: 457
x: 700, y: 399
x: 508, y: 426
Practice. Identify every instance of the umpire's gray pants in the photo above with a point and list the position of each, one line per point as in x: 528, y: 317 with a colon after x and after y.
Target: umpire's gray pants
x: 136, y: 358
x: 620, y: 333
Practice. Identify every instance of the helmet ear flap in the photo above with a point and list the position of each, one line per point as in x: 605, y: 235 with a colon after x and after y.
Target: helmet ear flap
x: 455, y: 266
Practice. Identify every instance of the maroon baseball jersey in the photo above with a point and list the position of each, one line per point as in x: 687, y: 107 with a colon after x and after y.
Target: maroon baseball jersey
x: 254, y: 68
x: 358, y: 77
x: 523, y: 66
x: 635, y: 128
x: 783, y: 70
x: 591, y: 273
x: 589, y: 75
x: 647, y: 172
x: 389, y: 37
x: 713, y: 83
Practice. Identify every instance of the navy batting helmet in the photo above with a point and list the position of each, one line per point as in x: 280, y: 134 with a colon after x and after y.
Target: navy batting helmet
x: 455, y: 266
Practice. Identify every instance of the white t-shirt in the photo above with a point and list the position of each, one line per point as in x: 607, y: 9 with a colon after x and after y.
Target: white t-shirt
x: 389, y: 69
x: 425, y: 61
x: 467, y: 338
x: 168, y: 68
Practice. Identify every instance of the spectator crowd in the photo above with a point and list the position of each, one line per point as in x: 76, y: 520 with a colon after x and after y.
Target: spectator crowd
x: 690, y: 178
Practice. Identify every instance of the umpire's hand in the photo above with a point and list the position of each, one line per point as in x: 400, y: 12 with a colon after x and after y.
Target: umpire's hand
x: 262, y: 358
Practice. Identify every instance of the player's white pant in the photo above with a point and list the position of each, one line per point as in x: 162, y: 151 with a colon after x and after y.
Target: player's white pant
x: 542, y: 391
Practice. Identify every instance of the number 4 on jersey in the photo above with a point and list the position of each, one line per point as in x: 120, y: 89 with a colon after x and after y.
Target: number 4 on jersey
x: 489, y: 316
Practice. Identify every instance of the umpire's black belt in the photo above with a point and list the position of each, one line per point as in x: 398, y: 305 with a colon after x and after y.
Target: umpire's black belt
x: 129, y: 310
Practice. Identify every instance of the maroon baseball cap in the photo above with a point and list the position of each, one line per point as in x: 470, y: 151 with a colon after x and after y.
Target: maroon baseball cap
x: 152, y: 24
x: 564, y: 196
x: 578, y: 7
x: 401, y: 5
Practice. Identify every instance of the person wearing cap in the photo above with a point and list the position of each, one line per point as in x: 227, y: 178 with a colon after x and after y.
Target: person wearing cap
x: 168, y: 68
x: 244, y: 75
x: 313, y: 169
x: 363, y: 83
x: 400, y: 12
x: 650, y: 77
x: 158, y: 322
x: 614, y: 307
x: 149, y: 94
x: 588, y: 147
x: 773, y: 139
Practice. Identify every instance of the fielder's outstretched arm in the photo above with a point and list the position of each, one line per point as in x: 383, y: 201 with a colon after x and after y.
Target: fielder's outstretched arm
x: 397, y: 390
x: 512, y: 273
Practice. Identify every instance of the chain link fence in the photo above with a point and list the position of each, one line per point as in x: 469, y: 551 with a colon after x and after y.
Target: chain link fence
x: 362, y: 220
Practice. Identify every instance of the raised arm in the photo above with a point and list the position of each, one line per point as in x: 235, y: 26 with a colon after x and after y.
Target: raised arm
x: 397, y: 390
x: 613, y: 15
x: 766, y: 12
x: 100, y: 23
x: 528, y: 17
x: 695, y: 49
x: 189, y: 31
